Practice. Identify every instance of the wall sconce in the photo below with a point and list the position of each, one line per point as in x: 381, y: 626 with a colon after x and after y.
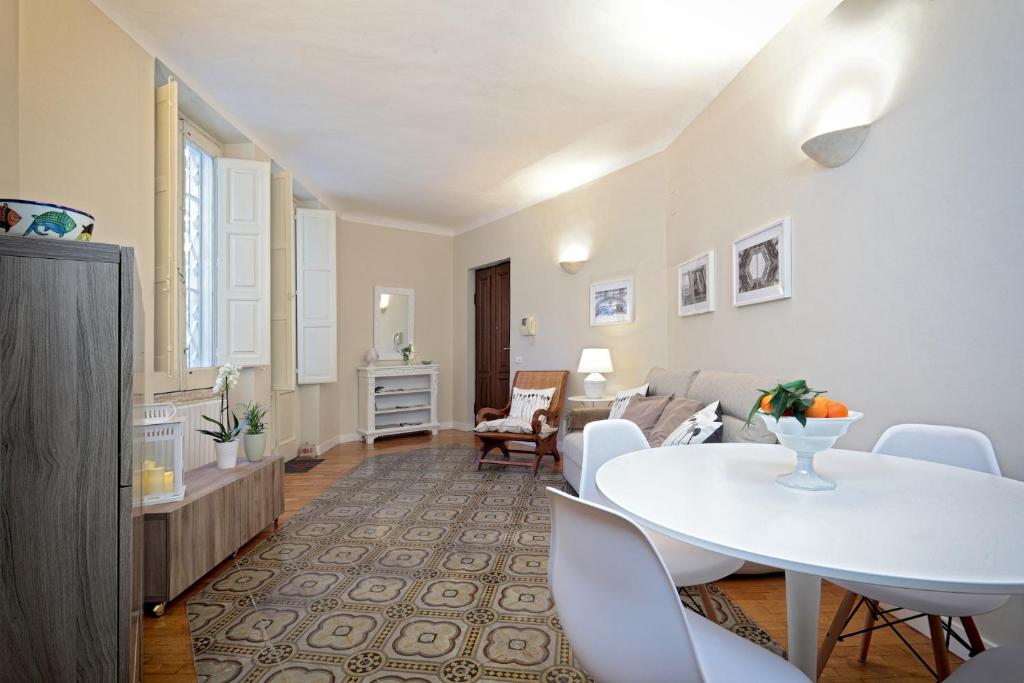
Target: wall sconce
x: 385, y: 301
x: 571, y: 267
x: 836, y: 147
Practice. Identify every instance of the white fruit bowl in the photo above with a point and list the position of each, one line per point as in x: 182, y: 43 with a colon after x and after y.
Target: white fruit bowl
x: 820, y: 434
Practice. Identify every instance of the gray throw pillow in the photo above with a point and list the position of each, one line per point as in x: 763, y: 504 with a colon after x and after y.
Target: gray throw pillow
x: 676, y: 412
x: 644, y: 411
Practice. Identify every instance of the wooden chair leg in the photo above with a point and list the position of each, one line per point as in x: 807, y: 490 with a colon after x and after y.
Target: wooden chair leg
x: 869, y: 621
x: 707, y: 604
x: 973, y: 635
x: 504, y: 450
x: 485, y: 447
x: 835, y: 630
x: 939, y: 647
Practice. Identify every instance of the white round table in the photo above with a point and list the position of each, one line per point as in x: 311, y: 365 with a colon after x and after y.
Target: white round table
x: 891, y: 521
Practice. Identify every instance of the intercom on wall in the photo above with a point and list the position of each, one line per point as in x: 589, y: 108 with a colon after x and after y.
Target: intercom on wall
x: 528, y: 326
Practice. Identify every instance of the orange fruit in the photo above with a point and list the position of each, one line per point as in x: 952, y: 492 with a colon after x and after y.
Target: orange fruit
x: 766, y: 403
x: 818, y: 407
x: 837, y: 409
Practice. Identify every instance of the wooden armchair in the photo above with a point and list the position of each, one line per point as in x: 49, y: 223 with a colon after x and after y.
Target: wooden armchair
x: 543, y: 444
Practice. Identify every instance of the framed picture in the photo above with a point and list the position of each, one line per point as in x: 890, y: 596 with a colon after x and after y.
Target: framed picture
x: 695, y: 290
x: 762, y: 264
x: 611, y: 302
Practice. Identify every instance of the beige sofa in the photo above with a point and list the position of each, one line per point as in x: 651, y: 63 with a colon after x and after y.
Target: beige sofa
x: 736, y: 391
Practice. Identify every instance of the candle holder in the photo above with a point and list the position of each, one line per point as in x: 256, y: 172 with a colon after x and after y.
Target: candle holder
x: 163, y: 454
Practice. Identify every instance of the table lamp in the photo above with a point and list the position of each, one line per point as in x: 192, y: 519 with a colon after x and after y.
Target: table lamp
x: 595, y: 361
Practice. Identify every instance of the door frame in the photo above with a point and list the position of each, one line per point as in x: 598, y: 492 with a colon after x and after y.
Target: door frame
x: 471, y: 328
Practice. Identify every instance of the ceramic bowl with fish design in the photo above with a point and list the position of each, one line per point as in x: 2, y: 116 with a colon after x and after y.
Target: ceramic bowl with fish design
x: 40, y: 219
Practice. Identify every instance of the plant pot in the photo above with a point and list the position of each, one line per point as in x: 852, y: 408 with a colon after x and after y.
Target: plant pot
x: 820, y: 434
x: 227, y: 454
x: 255, y: 445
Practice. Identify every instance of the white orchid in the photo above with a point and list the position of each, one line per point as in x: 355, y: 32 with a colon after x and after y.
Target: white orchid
x: 227, y: 378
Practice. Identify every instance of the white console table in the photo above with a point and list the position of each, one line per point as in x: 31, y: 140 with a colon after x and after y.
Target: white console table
x: 397, y: 399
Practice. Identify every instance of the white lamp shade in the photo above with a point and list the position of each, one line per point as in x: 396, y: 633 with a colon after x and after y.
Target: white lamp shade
x: 595, y: 360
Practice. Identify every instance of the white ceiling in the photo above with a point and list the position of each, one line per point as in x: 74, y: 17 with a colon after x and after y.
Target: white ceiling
x: 447, y: 114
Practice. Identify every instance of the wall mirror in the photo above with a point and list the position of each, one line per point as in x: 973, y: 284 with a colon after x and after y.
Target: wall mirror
x: 393, y: 313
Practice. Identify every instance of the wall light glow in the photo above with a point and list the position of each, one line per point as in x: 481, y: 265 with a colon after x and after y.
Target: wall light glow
x: 853, y: 77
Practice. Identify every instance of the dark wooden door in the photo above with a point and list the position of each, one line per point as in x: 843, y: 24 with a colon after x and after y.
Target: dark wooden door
x: 492, y: 336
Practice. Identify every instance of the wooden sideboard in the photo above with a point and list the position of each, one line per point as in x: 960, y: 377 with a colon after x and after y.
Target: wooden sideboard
x: 222, y: 511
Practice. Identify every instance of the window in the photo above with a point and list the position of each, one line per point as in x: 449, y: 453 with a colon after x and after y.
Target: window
x: 199, y: 258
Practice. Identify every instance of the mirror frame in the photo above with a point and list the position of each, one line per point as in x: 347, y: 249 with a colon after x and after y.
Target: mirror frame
x: 390, y: 353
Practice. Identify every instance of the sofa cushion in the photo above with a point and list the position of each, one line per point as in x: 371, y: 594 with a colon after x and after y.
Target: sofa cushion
x: 704, y: 426
x: 737, y: 392
x: 675, y: 413
x: 664, y: 382
x: 579, y: 417
x: 622, y: 399
x: 572, y: 458
x: 644, y: 411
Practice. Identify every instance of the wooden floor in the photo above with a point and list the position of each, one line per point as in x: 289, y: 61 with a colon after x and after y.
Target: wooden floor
x: 167, y: 651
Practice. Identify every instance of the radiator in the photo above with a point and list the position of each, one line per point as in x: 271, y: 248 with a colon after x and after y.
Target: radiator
x: 198, y: 447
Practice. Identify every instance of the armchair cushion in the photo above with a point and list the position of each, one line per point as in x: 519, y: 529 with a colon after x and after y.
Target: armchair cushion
x: 526, y: 402
x: 512, y: 425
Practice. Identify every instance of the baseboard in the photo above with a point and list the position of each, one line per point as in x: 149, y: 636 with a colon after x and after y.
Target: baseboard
x: 460, y: 426
x: 325, y: 446
x: 351, y: 437
x: 921, y: 626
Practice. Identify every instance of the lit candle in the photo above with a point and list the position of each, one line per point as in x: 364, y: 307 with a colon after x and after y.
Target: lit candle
x: 169, y: 482
x: 152, y: 480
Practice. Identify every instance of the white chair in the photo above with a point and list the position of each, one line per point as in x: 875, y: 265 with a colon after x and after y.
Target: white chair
x: 998, y: 665
x: 620, y: 611
x: 688, y: 564
x: 949, y: 446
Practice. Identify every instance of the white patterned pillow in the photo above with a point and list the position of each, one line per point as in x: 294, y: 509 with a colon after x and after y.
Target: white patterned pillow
x: 704, y: 426
x: 622, y: 398
x: 525, y: 402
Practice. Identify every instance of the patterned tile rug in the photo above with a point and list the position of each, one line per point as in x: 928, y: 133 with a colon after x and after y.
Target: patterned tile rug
x: 412, y: 568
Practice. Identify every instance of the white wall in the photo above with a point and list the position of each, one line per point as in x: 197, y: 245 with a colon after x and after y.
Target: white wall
x: 373, y: 256
x: 85, y: 120
x: 620, y: 221
x: 904, y: 284
x: 9, y: 82
x: 906, y: 298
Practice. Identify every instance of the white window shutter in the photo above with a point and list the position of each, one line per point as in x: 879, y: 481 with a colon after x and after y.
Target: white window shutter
x: 167, y: 345
x: 317, y: 311
x: 243, y: 262
x: 282, y: 282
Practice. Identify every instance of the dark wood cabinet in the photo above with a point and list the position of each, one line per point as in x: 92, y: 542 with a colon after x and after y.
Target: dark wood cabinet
x: 67, y: 321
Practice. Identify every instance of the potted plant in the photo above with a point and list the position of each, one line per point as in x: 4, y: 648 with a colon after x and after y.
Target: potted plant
x: 227, y: 379
x: 225, y: 440
x: 255, y: 438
